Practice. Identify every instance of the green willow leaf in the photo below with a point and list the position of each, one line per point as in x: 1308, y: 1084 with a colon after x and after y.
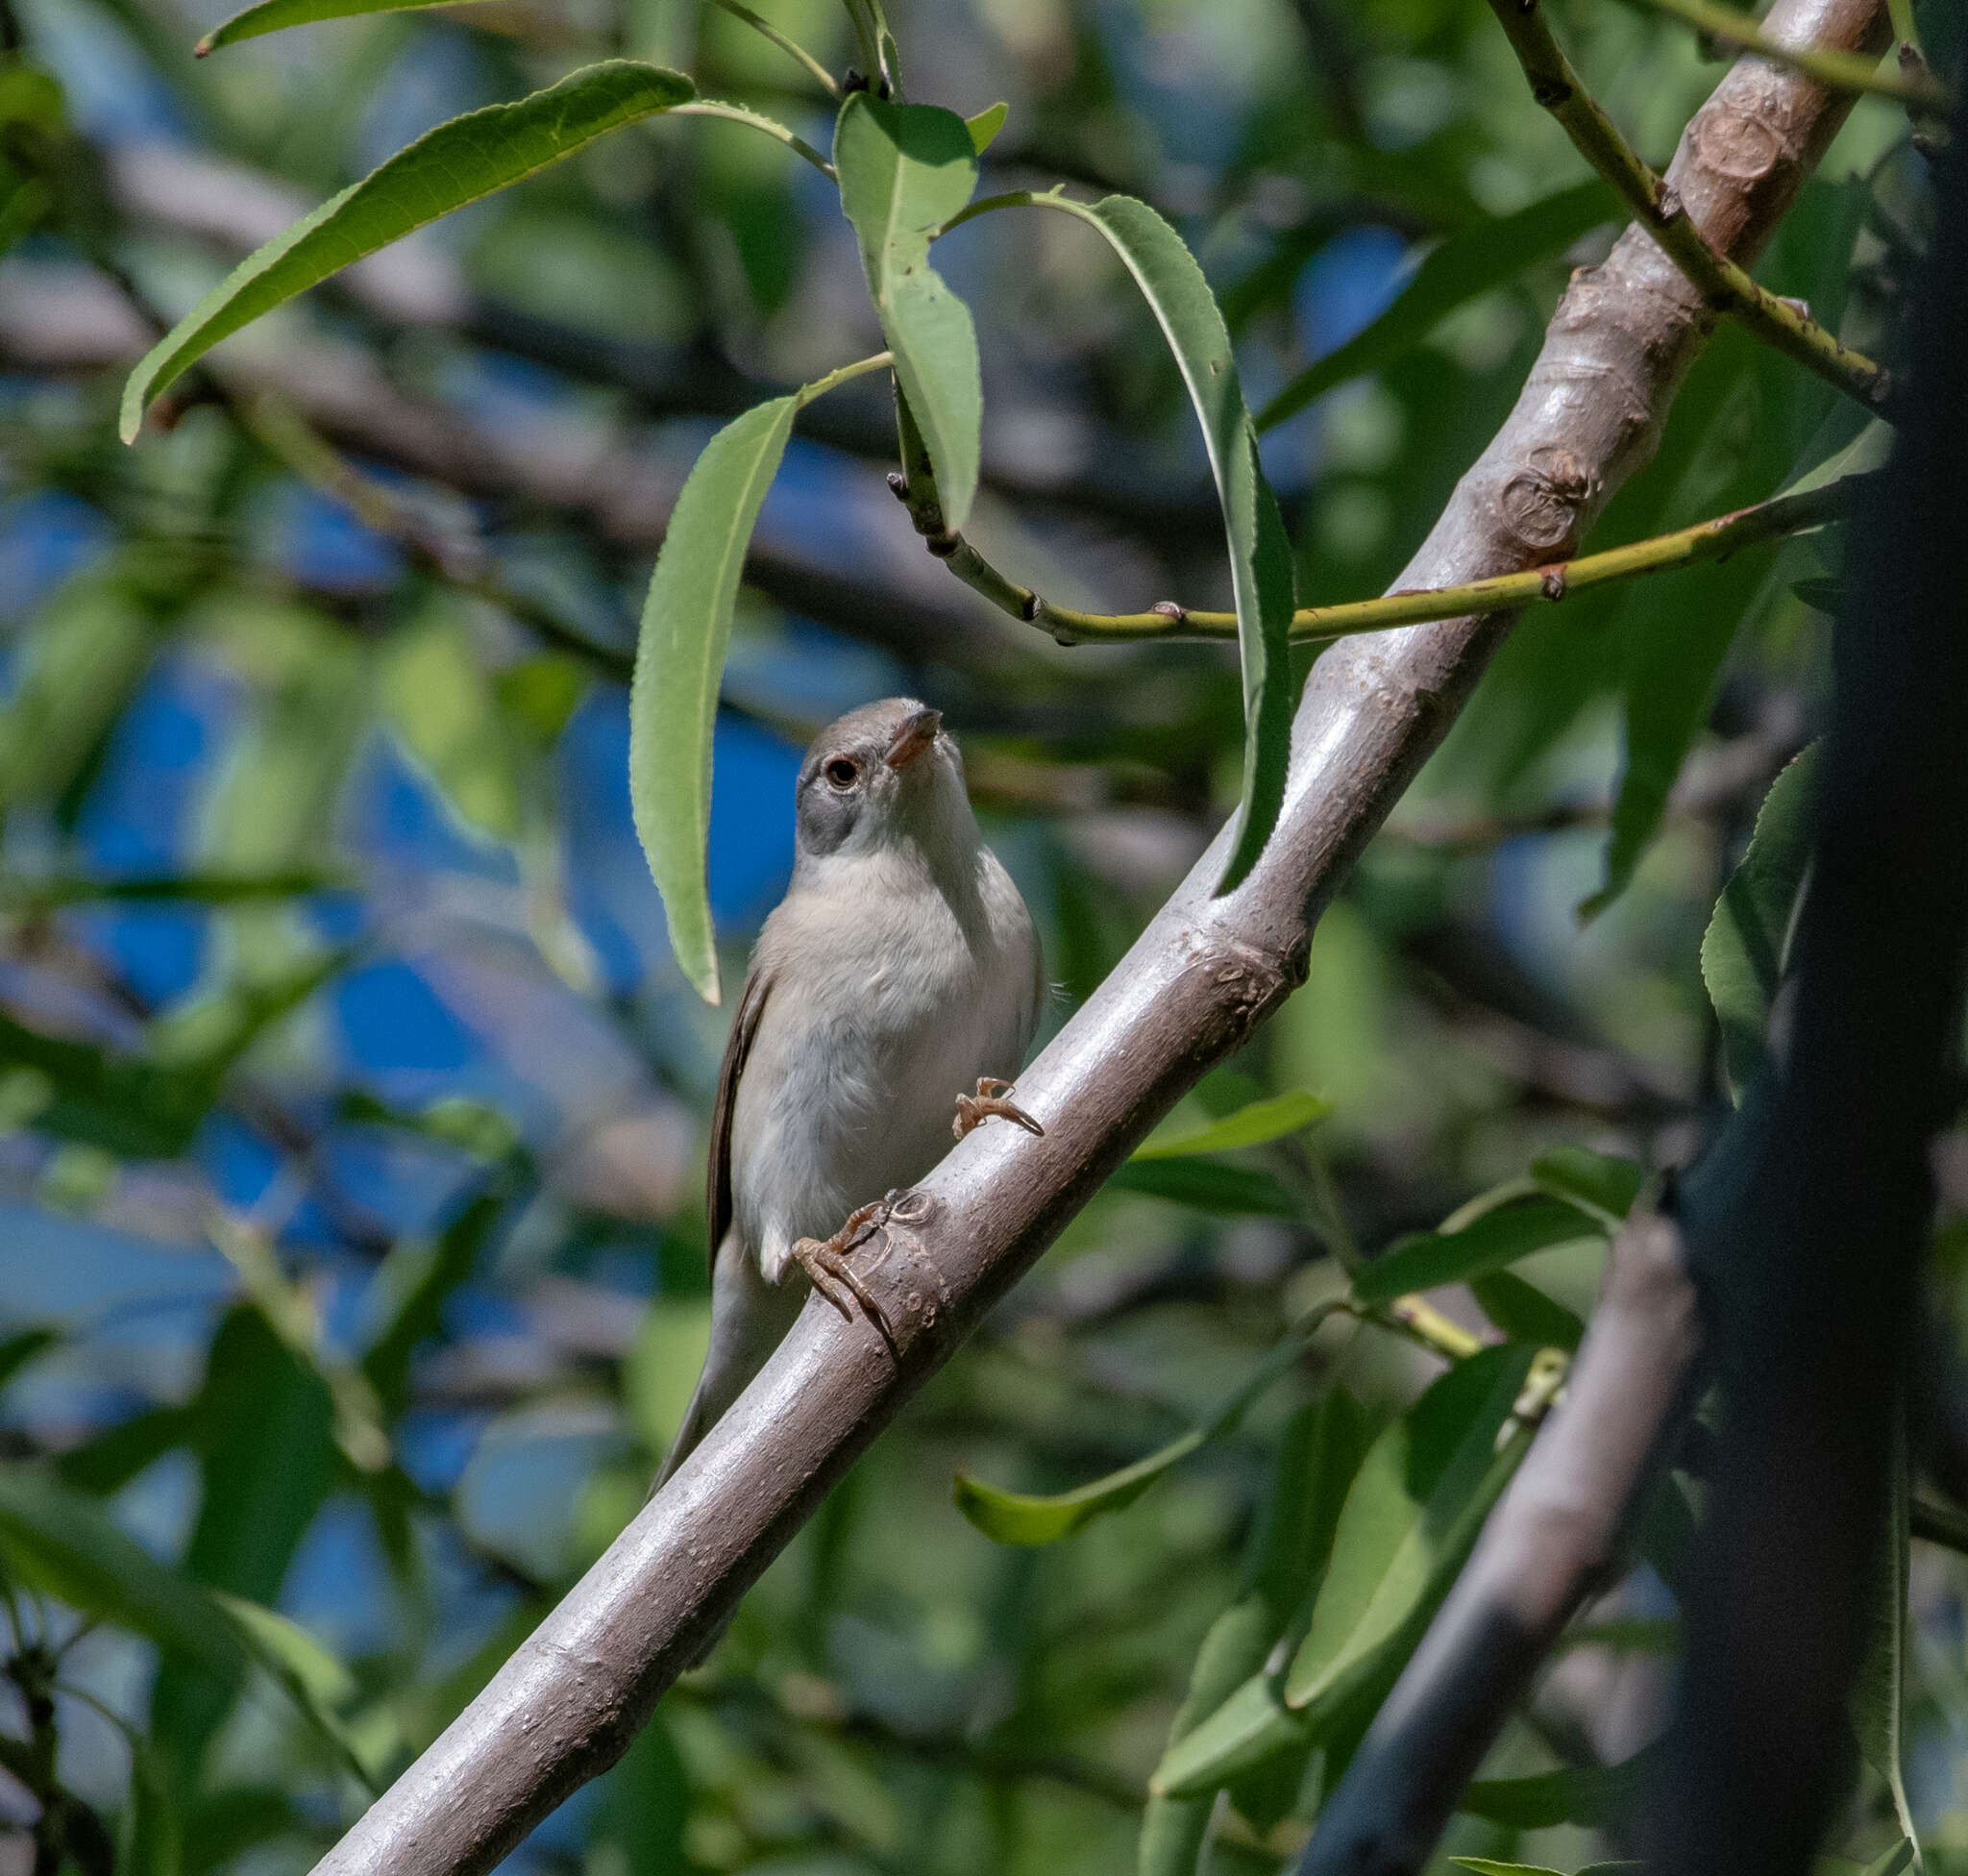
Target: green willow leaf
x: 1254, y: 1126
x: 1250, y: 1726
x: 1493, y: 1241
x: 1577, y: 1794
x: 1489, y: 1867
x: 1318, y: 1457
x: 1524, y: 1313
x: 680, y: 664
x: 905, y: 170
x: 1602, y: 1185
x: 986, y: 124
x: 1744, y: 948
x: 65, y: 1542
x: 1410, y: 1521
x: 456, y: 162
x: 1032, y: 1519
x: 315, y: 1680
x: 276, y: 16
x: 1262, y: 577
x: 1470, y: 262
x: 1208, y: 1186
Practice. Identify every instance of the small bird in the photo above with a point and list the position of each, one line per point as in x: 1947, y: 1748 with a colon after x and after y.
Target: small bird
x: 900, y: 966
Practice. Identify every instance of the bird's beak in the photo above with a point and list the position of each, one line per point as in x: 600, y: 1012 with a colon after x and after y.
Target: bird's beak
x: 913, y: 738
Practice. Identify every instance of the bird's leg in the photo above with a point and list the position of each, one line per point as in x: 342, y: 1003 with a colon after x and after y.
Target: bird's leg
x: 989, y: 1100
x: 825, y: 1263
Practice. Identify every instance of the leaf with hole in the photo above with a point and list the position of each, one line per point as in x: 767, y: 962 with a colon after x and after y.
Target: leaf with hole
x: 905, y: 170
x: 459, y: 161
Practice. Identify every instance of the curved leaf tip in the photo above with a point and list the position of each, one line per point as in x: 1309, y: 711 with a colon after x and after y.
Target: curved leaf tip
x: 460, y: 162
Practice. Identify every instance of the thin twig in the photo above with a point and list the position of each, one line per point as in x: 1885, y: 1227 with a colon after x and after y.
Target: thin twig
x: 1713, y: 539
x: 1728, y: 288
x: 1918, y: 90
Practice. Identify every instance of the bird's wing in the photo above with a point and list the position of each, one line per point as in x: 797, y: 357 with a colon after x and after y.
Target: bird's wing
x: 717, y: 1202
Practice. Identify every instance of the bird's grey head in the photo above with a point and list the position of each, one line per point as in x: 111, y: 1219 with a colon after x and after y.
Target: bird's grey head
x: 887, y: 776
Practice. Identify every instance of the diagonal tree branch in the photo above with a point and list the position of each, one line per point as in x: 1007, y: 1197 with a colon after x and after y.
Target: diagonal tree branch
x: 1199, y: 980
x: 1785, y: 324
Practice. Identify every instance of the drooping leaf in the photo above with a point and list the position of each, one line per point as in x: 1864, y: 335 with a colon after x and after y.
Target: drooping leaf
x: 1471, y: 261
x: 905, y: 169
x: 265, y: 1449
x: 1029, y: 1518
x: 276, y: 16
x: 1492, y: 1240
x: 680, y: 664
x: 315, y: 1680
x: 1317, y: 1456
x: 1744, y: 948
x: 1414, y: 1513
x: 456, y: 162
x: 1261, y: 575
x: 1208, y: 1185
x: 1524, y: 1313
x: 1602, y: 1185
x: 1261, y: 1122
x: 65, y: 1542
x: 1593, y: 1796
x: 1878, y: 1693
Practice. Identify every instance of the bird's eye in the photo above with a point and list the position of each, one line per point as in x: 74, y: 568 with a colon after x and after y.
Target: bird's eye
x: 843, y: 771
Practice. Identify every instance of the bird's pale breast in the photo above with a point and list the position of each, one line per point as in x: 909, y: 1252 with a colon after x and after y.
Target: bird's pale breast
x: 851, y: 1082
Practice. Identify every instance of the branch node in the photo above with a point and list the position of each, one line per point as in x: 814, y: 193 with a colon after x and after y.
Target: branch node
x: 1551, y: 583
x: 1031, y: 608
x: 943, y: 545
x: 898, y: 484
x: 1169, y: 610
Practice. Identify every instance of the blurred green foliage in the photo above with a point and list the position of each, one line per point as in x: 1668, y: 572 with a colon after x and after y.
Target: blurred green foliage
x: 351, y: 1095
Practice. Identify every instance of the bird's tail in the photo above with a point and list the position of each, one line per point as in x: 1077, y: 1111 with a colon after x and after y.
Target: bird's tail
x: 750, y: 1318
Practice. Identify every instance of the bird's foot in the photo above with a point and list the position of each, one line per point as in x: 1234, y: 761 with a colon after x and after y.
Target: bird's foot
x: 989, y: 1100
x: 825, y: 1263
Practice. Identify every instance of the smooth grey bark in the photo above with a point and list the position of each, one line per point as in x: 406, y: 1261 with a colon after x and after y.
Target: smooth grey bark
x: 1194, y: 987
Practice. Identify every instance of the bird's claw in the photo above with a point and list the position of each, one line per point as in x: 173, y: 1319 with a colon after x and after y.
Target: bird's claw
x: 990, y: 1099
x: 825, y: 1263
